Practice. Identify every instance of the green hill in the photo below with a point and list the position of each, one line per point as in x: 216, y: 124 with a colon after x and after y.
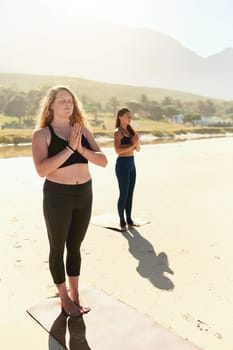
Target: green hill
x: 97, y: 91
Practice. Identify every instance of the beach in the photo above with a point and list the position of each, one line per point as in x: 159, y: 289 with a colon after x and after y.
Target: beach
x: 176, y: 269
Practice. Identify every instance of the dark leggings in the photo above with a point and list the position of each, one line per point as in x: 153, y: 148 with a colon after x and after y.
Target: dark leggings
x: 67, y: 211
x: 126, y: 176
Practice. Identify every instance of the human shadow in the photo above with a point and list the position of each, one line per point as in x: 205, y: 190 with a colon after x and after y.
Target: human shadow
x: 70, y: 332
x: 150, y: 265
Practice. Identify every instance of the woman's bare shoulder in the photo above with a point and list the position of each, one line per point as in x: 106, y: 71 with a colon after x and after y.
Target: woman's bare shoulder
x: 117, y: 133
x: 87, y: 133
x: 86, y: 130
x: 41, y: 132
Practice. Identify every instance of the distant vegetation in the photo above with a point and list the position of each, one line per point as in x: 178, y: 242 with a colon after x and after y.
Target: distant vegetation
x: 97, y: 91
x: 20, y: 96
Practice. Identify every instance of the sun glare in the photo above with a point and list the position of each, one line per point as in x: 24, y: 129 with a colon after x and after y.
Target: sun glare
x: 116, y: 11
x: 80, y: 8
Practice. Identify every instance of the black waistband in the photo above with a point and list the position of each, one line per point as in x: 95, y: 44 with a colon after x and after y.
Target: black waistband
x: 50, y: 186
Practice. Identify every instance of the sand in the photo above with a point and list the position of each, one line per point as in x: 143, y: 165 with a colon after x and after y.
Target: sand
x: 176, y: 269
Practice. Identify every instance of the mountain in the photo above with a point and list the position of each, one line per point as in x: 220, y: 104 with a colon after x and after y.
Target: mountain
x: 50, y: 42
x: 96, y: 91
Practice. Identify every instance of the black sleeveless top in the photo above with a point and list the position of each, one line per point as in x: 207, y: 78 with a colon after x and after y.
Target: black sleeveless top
x: 126, y: 140
x: 57, y: 144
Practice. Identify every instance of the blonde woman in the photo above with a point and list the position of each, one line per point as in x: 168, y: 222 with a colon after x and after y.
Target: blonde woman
x: 62, y: 146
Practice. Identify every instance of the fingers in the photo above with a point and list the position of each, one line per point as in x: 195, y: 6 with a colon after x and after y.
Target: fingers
x: 75, y: 136
x: 76, y: 129
x: 135, y: 139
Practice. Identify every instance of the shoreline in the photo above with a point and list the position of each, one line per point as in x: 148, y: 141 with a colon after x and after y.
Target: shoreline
x: 24, y: 149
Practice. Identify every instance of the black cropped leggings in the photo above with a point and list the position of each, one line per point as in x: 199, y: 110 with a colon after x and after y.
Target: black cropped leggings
x: 67, y: 212
x: 126, y: 176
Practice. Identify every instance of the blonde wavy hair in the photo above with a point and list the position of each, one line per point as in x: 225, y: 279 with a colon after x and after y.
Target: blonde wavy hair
x: 45, y: 116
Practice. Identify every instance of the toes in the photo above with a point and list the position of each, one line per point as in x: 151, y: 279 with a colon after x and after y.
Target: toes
x: 72, y: 312
x: 85, y: 309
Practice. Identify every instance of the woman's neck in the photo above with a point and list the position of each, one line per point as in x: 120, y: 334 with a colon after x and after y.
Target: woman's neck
x: 60, y: 123
x: 124, y: 127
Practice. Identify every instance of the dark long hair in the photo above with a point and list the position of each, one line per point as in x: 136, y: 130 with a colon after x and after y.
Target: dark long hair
x: 120, y: 113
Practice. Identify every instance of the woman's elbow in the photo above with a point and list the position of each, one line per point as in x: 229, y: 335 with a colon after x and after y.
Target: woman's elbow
x: 101, y: 160
x: 118, y: 151
x: 41, y: 171
x: 104, y: 162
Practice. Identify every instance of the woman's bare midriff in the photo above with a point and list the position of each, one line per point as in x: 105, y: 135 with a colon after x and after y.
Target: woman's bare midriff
x: 130, y: 154
x: 71, y: 175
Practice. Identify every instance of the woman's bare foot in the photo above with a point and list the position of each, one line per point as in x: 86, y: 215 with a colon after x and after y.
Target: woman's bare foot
x: 74, y: 294
x: 133, y: 224
x: 84, y: 309
x: 70, y: 309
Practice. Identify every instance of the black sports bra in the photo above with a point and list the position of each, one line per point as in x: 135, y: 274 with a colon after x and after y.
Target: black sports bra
x: 126, y: 140
x: 57, y: 144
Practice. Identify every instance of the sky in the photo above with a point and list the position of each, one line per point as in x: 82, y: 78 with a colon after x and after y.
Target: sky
x: 204, y: 26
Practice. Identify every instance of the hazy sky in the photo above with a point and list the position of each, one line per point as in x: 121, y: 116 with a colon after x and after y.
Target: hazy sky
x: 204, y: 26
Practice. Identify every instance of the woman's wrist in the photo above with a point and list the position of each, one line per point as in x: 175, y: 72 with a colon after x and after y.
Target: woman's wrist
x: 82, y: 153
x: 70, y: 148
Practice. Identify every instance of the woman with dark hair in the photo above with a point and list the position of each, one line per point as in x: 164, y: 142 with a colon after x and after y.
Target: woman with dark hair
x: 62, y: 146
x: 126, y: 141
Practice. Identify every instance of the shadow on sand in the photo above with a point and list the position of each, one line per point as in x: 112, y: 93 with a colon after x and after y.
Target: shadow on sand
x: 70, y: 332
x: 150, y: 265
